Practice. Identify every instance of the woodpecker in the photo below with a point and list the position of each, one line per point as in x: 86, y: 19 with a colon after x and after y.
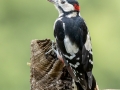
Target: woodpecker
x: 74, y: 43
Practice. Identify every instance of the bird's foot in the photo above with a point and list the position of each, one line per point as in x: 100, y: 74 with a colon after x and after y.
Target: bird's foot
x: 52, y: 51
x: 52, y: 48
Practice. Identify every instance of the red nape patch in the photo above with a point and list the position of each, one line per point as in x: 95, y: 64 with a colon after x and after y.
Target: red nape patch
x: 77, y: 7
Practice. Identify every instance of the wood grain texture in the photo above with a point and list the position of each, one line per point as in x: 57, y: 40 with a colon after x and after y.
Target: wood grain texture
x: 46, y: 72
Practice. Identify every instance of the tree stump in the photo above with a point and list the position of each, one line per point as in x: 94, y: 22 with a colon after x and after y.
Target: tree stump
x: 46, y: 72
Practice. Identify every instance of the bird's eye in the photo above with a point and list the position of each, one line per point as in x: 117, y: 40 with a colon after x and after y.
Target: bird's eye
x: 62, y: 1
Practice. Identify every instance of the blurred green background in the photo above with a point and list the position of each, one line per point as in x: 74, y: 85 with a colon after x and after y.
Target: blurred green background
x: 24, y: 20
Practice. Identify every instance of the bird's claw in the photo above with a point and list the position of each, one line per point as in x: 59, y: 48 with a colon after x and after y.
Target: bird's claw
x: 52, y: 48
x: 52, y: 51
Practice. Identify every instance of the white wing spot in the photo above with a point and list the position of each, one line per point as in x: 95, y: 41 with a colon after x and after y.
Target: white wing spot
x: 72, y: 65
x: 91, y: 52
x: 91, y: 61
x: 67, y: 61
x: 74, y: 72
x: 64, y: 26
x: 70, y: 57
x: 88, y: 45
x: 81, y: 78
x: 80, y: 73
x: 70, y: 47
x: 77, y: 64
x: 78, y: 58
x: 88, y: 56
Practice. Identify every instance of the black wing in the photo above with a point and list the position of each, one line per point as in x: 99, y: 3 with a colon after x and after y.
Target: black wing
x: 87, y: 57
x: 59, y: 34
x: 82, y: 39
x: 79, y: 34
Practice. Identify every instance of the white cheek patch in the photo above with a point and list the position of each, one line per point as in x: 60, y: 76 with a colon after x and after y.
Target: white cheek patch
x: 67, y: 7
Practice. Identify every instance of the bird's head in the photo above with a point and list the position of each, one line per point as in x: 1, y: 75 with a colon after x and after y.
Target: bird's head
x: 66, y: 6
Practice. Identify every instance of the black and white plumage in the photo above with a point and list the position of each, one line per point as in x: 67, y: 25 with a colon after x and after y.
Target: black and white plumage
x: 74, y: 43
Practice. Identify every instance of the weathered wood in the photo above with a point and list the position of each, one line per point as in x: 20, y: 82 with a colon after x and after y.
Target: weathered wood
x: 46, y: 72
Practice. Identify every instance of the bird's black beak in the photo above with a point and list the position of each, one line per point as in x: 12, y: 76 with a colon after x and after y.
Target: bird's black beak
x: 52, y: 1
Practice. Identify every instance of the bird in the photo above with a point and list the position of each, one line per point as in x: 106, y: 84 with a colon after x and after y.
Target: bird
x: 73, y: 41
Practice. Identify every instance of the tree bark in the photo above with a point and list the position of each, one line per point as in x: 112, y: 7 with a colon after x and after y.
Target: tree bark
x: 46, y: 72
